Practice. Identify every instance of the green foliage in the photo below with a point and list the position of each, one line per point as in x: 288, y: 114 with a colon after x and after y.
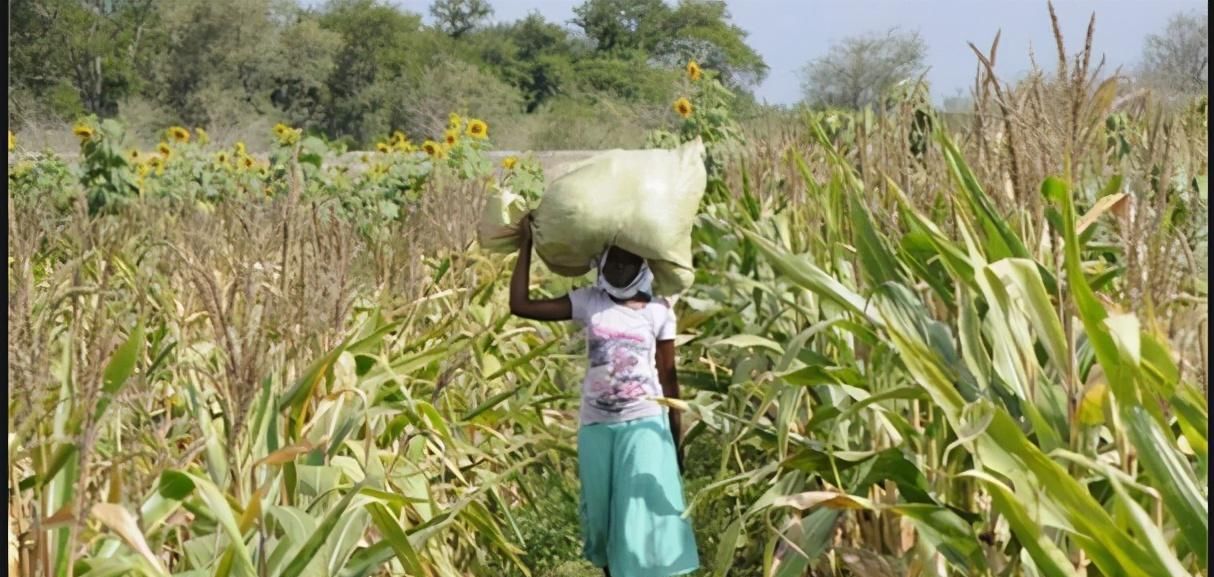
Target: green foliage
x: 622, y: 25
x: 357, y: 69
x: 291, y: 367
x: 458, y: 17
x: 859, y: 70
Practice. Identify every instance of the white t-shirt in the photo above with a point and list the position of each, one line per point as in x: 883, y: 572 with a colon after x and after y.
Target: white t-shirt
x: 621, y: 344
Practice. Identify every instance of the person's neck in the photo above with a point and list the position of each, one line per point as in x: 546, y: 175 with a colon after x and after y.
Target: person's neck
x: 640, y: 298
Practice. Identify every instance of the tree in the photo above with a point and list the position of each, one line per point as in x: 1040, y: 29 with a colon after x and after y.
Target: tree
x: 379, y: 52
x: 214, y: 58
x: 859, y: 69
x: 622, y: 24
x: 700, y: 30
x: 307, y: 59
x: 544, y: 58
x: 85, y: 54
x: 1178, y: 59
x: 458, y: 17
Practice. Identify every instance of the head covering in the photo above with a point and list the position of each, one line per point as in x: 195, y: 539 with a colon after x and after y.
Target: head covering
x: 642, y: 284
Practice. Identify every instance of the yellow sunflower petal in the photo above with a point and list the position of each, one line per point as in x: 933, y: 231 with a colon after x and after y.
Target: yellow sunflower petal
x: 693, y: 70
x: 83, y: 131
x: 683, y: 107
x: 178, y: 134
x: 478, y: 129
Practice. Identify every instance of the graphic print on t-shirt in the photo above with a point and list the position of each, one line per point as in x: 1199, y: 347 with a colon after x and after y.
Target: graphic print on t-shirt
x: 618, y: 372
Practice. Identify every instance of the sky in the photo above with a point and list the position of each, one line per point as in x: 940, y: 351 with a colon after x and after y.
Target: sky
x: 789, y: 33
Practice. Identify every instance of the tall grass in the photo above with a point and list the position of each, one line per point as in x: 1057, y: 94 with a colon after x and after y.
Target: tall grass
x: 979, y: 355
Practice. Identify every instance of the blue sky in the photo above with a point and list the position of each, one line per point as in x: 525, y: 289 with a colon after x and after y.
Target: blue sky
x: 789, y: 33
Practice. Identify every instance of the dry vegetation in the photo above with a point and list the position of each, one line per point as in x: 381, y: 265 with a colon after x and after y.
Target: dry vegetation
x: 905, y: 354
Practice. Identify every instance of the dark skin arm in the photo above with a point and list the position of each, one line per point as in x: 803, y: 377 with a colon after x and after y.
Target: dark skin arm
x: 521, y: 303
x: 668, y: 376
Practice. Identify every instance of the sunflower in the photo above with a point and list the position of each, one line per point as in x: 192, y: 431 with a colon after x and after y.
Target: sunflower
x: 133, y: 155
x: 454, y: 121
x: 248, y: 162
x: 203, y: 137
x: 405, y: 146
x: 83, y: 131
x: 683, y: 107
x: 382, y: 147
x: 286, y: 135
x: 451, y: 136
x: 165, y: 150
x: 12, y: 141
x: 478, y: 129
x: 398, y: 137
x: 222, y: 158
x: 156, y: 163
x: 693, y: 70
x: 432, y: 148
x: 178, y: 134
x: 509, y: 162
x: 240, y: 151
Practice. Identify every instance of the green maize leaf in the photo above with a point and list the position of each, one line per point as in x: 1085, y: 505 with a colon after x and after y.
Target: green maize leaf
x: 122, y: 522
x: 725, y: 551
x: 320, y: 536
x: 1174, y: 478
x: 1004, y: 448
x: 1023, y: 275
x: 62, y: 456
x: 1091, y: 312
x: 223, y: 513
x: 1145, y: 528
x: 1157, y: 365
x: 918, y: 253
x: 119, y: 369
x: 173, y: 488
x: 1193, y: 418
x: 814, y: 537
x: 892, y: 465
x: 115, y: 567
x: 1049, y: 559
x: 366, y: 560
x: 388, y: 525
x: 948, y: 534
x: 879, y: 264
x: 525, y: 359
x: 490, y: 403
x: 751, y: 341
x: 811, y: 277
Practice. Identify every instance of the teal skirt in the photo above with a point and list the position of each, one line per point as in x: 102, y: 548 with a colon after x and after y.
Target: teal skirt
x: 632, y: 500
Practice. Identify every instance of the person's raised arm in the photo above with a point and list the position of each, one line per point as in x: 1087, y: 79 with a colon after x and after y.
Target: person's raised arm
x: 521, y: 304
x: 668, y: 376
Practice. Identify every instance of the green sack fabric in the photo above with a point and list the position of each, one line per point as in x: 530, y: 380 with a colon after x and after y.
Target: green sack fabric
x: 643, y: 201
x: 499, y: 226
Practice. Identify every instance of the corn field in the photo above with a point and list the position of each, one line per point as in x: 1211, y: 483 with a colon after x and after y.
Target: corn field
x: 917, y: 345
